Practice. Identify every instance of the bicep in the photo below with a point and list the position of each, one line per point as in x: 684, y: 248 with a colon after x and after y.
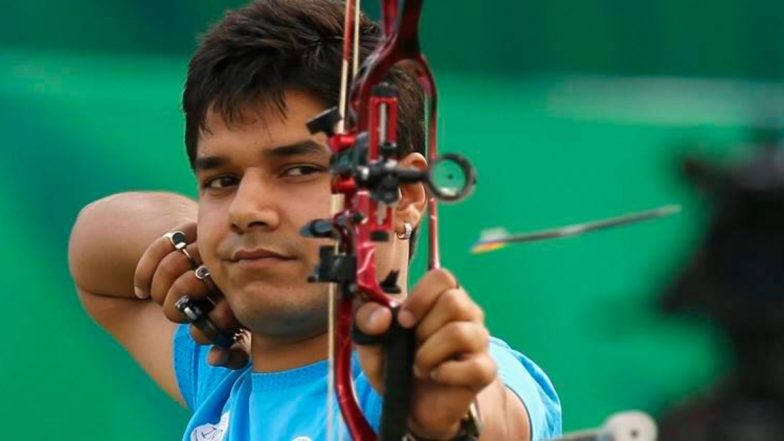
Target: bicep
x: 503, y: 414
x: 142, y: 329
x: 518, y: 420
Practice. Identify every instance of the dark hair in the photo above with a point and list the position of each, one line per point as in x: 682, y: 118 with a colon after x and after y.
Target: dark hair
x: 257, y: 52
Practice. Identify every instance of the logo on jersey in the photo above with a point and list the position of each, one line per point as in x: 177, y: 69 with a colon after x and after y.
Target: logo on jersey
x: 212, y: 432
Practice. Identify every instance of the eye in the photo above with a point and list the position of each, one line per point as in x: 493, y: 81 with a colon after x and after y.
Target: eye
x: 220, y: 182
x: 302, y: 170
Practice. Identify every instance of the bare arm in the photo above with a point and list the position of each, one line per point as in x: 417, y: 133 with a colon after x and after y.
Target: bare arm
x: 111, y: 234
x: 503, y: 414
x: 107, y: 240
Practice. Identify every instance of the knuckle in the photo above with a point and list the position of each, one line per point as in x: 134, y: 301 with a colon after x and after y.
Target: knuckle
x: 486, y: 370
x: 446, y: 277
x: 479, y: 313
x: 482, y: 337
x: 479, y: 372
x: 364, y: 312
x: 188, y: 284
x: 174, y: 315
x: 422, y: 361
x: 176, y: 290
x: 461, y: 307
x: 170, y: 267
x: 423, y: 332
x: 180, y: 288
x: 193, y: 250
x: 453, y: 302
x: 461, y: 333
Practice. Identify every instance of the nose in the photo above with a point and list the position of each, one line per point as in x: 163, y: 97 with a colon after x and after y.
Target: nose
x: 254, y: 205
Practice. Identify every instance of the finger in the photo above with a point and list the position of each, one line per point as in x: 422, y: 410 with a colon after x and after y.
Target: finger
x: 187, y: 284
x: 221, y: 318
x: 218, y: 356
x: 193, y: 251
x: 373, y: 319
x: 155, y: 252
x: 191, y: 254
x: 199, y: 337
x: 424, y: 296
x: 237, y: 359
x: 170, y: 269
x: 148, y: 263
x: 475, y: 372
x: 453, y: 305
x: 232, y: 358
x: 452, y: 342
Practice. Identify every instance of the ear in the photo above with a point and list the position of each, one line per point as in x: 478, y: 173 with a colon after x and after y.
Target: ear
x: 413, y: 197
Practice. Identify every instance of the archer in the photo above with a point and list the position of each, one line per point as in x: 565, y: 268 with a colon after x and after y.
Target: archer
x: 255, y: 81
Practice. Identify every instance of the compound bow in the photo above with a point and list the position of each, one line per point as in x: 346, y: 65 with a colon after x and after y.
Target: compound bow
x: 366, y: 186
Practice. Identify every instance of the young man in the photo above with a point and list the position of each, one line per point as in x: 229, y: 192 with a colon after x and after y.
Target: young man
x: 255, y: 81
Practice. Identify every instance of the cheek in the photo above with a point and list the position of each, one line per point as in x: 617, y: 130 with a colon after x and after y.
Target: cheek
x: 311, y: 202
x: 209, y: 233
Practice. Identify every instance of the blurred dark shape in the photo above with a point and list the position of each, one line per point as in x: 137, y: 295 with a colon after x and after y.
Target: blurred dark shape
x: 736, y: 278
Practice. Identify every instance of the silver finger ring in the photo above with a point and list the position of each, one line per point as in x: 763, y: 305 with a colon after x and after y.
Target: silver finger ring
x: 188, y: 255
x: 177, y: 239
x: 201, y: 272
x: 179, y: 242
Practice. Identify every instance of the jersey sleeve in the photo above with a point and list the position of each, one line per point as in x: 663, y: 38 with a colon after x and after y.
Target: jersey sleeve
x: 195, y: 377
x: 529, y: 382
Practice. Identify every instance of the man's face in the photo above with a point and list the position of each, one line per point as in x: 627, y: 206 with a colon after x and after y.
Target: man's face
x: 260, y: 180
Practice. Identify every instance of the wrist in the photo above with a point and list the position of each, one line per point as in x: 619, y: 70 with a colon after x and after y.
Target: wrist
x: 416, y: 434
x: 468, y: 429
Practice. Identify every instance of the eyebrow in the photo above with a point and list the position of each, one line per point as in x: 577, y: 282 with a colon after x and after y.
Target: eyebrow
x: 307, y: 147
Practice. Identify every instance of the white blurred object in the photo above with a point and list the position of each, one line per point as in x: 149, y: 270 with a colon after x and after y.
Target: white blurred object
x: 624, y: 426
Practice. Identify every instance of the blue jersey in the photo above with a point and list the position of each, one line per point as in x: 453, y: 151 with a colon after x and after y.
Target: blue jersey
x: 291, y: 405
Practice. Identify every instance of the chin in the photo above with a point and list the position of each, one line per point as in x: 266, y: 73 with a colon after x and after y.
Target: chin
x: 290, y: 312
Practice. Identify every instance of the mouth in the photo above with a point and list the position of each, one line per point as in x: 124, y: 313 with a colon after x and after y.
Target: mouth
x: 258, y: 258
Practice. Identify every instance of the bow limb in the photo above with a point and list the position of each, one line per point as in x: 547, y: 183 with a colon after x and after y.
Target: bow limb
x: 400, y: 48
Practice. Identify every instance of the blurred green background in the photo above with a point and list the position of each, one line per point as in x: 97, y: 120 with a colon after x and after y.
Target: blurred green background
x: 571, y: 110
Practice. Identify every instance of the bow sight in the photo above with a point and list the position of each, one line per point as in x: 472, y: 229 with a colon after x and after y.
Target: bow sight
x: 449, y: 178
x: 367, y: 173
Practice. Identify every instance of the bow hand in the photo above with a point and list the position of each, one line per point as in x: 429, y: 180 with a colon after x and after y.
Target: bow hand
x: 452, y: 364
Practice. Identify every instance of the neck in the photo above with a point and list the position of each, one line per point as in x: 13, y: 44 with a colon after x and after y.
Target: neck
x: 277, y: 354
